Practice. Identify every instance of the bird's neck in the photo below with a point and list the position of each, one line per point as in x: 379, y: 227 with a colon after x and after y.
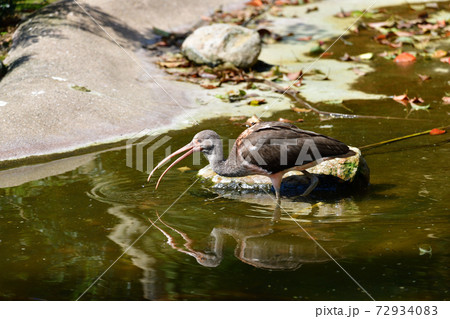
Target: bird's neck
x: 216, y: 159
x: 224, y: 167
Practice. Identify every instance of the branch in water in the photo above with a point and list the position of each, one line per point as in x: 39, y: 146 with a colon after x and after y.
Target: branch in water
x: 401, y: 138
x: 323, y: 114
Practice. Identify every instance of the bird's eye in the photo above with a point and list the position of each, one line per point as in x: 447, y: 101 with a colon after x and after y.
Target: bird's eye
x: 199, y: 140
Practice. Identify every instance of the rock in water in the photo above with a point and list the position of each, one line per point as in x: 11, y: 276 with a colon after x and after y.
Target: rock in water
x: 219, y: 43
x: 336, y: 176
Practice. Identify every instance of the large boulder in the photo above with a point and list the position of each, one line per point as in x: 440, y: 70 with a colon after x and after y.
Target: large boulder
x: 336, y: 176
x: 219, y: 43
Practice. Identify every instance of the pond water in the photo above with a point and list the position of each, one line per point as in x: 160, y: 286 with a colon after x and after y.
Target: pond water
x: 60, y: 232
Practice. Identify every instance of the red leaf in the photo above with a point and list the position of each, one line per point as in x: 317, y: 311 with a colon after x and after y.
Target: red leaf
x: 403, y: 97
x: 294, y: 75
x: 325, y: 54
x: 208, y: 86
x: 255, y: 3
x: 437, y: 131
x: 445, y: 60
x: 405, y: 57
x: 308, y: 38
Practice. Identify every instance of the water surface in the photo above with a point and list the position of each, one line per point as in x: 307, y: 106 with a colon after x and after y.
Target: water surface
x: 62, y: 224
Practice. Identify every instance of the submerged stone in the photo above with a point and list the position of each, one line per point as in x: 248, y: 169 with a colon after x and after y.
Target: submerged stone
x: 219, y: 43
x: 338, y: 175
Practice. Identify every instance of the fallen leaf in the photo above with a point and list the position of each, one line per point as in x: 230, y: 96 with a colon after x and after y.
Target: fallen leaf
x: 439, y: 54
x: 257, y: 102
x: 380, y: 37
x: 252, y: 120
x: 387, y: 55
x: 419, y: 107
x: 308, y: 10
x: 254, y: 3
x: 424, y: 77
x: 437, y: 131
x: 403, y: 97
x: 403, y: 33
x: 405, y: 57
x: 289, y: 121
x: 445, y: 60
x: 416, y: 100
x: 294, y: 75
x: 446, y: 99
x: 343, y: 14
x: 308, y: 38
x: 162, y: 43
x: 173, y: 64
x: 348, y: 57
x: 366, y: 56
x: 298, y: 83
x: 432, y: 5
x: 281, y: 2
x: 237, y: 118
x: 183, y: 169
x: 317, y: 50
x: 161, y: 32
x: 425, y: 249
x: 404, y: 40
x: 417, y: 7
x: 207, y: 75
x: 378, y: 25
x: 208, y: 86
x: 428, y: 26
x: 300, y: 110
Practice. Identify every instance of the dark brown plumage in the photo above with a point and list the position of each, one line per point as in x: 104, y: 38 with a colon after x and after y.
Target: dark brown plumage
x: 267, y: 148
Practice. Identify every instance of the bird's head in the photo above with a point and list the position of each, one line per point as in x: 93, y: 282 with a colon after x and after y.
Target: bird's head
x: 204, y: 141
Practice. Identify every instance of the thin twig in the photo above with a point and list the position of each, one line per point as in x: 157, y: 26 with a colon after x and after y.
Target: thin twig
x: 401, y: 138
x: 294, y: 95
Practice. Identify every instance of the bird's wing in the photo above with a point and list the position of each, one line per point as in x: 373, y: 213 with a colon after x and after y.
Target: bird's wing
x: 277, y: 146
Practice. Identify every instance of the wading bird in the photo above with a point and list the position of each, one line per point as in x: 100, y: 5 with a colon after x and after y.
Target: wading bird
x: 267, y: 148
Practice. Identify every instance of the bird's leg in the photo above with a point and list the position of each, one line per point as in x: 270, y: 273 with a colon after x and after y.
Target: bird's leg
x: 314, y: 181
x: 276, y: 182
x: 276, y: 213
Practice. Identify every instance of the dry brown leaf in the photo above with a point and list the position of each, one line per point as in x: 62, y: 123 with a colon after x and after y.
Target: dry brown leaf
x: 252, y: 120
x: 439, y: 54
x: 237, y: 118
x: 289, y: 121
x: 424, y: 77
x: 208, y: 86
x: 308, y: 38
x: 300, y: 110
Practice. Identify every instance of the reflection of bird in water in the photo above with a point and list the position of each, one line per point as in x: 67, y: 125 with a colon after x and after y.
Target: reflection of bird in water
x: 259, y: 245
x: 267, y: 148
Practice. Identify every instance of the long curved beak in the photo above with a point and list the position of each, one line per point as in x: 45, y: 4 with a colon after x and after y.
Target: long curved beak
x: 190, y: 148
